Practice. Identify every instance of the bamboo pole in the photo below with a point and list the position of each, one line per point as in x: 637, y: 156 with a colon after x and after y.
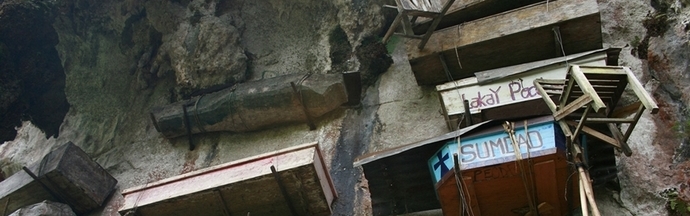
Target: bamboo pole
x: 583, y: 200
x: 584, y: 180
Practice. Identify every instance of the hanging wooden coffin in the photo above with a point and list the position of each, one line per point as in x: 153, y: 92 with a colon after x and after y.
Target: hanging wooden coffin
x: 293, y: 181
x: 513, y: 37
x: 492, y: 180
x: 65, y: 175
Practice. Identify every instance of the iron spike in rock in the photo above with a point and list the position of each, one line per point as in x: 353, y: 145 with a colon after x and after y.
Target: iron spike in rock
x: 257, y: 105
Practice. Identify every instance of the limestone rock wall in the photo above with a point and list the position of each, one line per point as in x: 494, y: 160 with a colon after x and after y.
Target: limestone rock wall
x: 121, y: 58
x: 655, y: 34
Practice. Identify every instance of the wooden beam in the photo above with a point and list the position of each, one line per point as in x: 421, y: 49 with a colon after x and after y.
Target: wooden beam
x: 572, y: 107
x: 586, y: 87
x: 610, y: 120
x: 544, y: 95
x: 467, y: 10
x: 632, y: 125
x: 619, y: 138
x: 641, y: 93
x: 501, y: 40
x: 582, y: 122
x: 597, y: 134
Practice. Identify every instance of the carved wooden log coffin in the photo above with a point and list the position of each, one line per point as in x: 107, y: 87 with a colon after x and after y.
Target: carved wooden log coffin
x: 255, y: 105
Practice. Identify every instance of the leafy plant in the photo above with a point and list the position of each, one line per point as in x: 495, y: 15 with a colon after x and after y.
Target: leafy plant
x: 675, y: 205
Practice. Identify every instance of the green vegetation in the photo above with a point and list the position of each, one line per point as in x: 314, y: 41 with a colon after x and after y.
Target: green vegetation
x: 392, y: 42
x: 675, y: 205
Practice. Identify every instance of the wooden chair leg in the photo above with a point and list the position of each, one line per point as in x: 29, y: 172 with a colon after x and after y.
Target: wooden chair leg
x: 394, y: 26
x: 430, y: 31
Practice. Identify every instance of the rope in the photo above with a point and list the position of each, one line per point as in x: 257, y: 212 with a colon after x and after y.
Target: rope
x: 510, y: 129
x: 457, y: 56
x: 559, y: 39
x: 450, y: 78
x: 464, y: 206
x: 530, y: 171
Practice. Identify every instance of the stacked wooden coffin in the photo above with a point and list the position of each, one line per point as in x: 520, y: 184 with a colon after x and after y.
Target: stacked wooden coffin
x: 497, y: 177
x: 291, y: 181
x: 65, y: 175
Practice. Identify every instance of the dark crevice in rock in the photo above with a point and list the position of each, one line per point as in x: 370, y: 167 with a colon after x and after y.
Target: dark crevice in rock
x: 126, y: 37
x: 33, y: 80
x: 656, y: 23
x: 373, y: 58
x: 341, y: 50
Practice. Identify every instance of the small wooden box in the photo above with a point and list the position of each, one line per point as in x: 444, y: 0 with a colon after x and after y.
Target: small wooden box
x: 69, y: 173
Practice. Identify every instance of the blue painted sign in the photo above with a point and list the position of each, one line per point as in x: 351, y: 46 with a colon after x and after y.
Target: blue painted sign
x: 494, y: 148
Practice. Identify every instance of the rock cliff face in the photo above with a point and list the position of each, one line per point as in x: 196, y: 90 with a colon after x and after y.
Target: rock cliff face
x: 110, y: 62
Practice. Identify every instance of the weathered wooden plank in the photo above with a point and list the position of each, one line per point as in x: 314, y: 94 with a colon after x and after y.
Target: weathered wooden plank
x: 641, y: 93
x: 69, y: 173
x: 593, y: 58
x: 502, y: 40
x: 467, y: 10
x: 597, y: 134
x: 242, y: 187
x: 546, y: 182
x: 586, y: 87
x: 509, y: 85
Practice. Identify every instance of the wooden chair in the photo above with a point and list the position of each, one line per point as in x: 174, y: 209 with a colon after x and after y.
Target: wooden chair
x: 589, y: 95
x: 410, y: 10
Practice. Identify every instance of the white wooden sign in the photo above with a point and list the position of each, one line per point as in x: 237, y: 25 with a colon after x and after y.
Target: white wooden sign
x: 495, y: 148
x: 516, y: 88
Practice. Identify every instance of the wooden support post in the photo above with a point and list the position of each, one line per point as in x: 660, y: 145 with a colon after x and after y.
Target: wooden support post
x: 619, y: 138
x: 7, y: 204
x: 597, y: 134
x: 434, y: 24
x: 632, y: 125
x: 283, y: 191
x: 566, y: 92
x: 581, y: 124
x: 396, y: 23
x: 468, y: 114
x: 222, y: 202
